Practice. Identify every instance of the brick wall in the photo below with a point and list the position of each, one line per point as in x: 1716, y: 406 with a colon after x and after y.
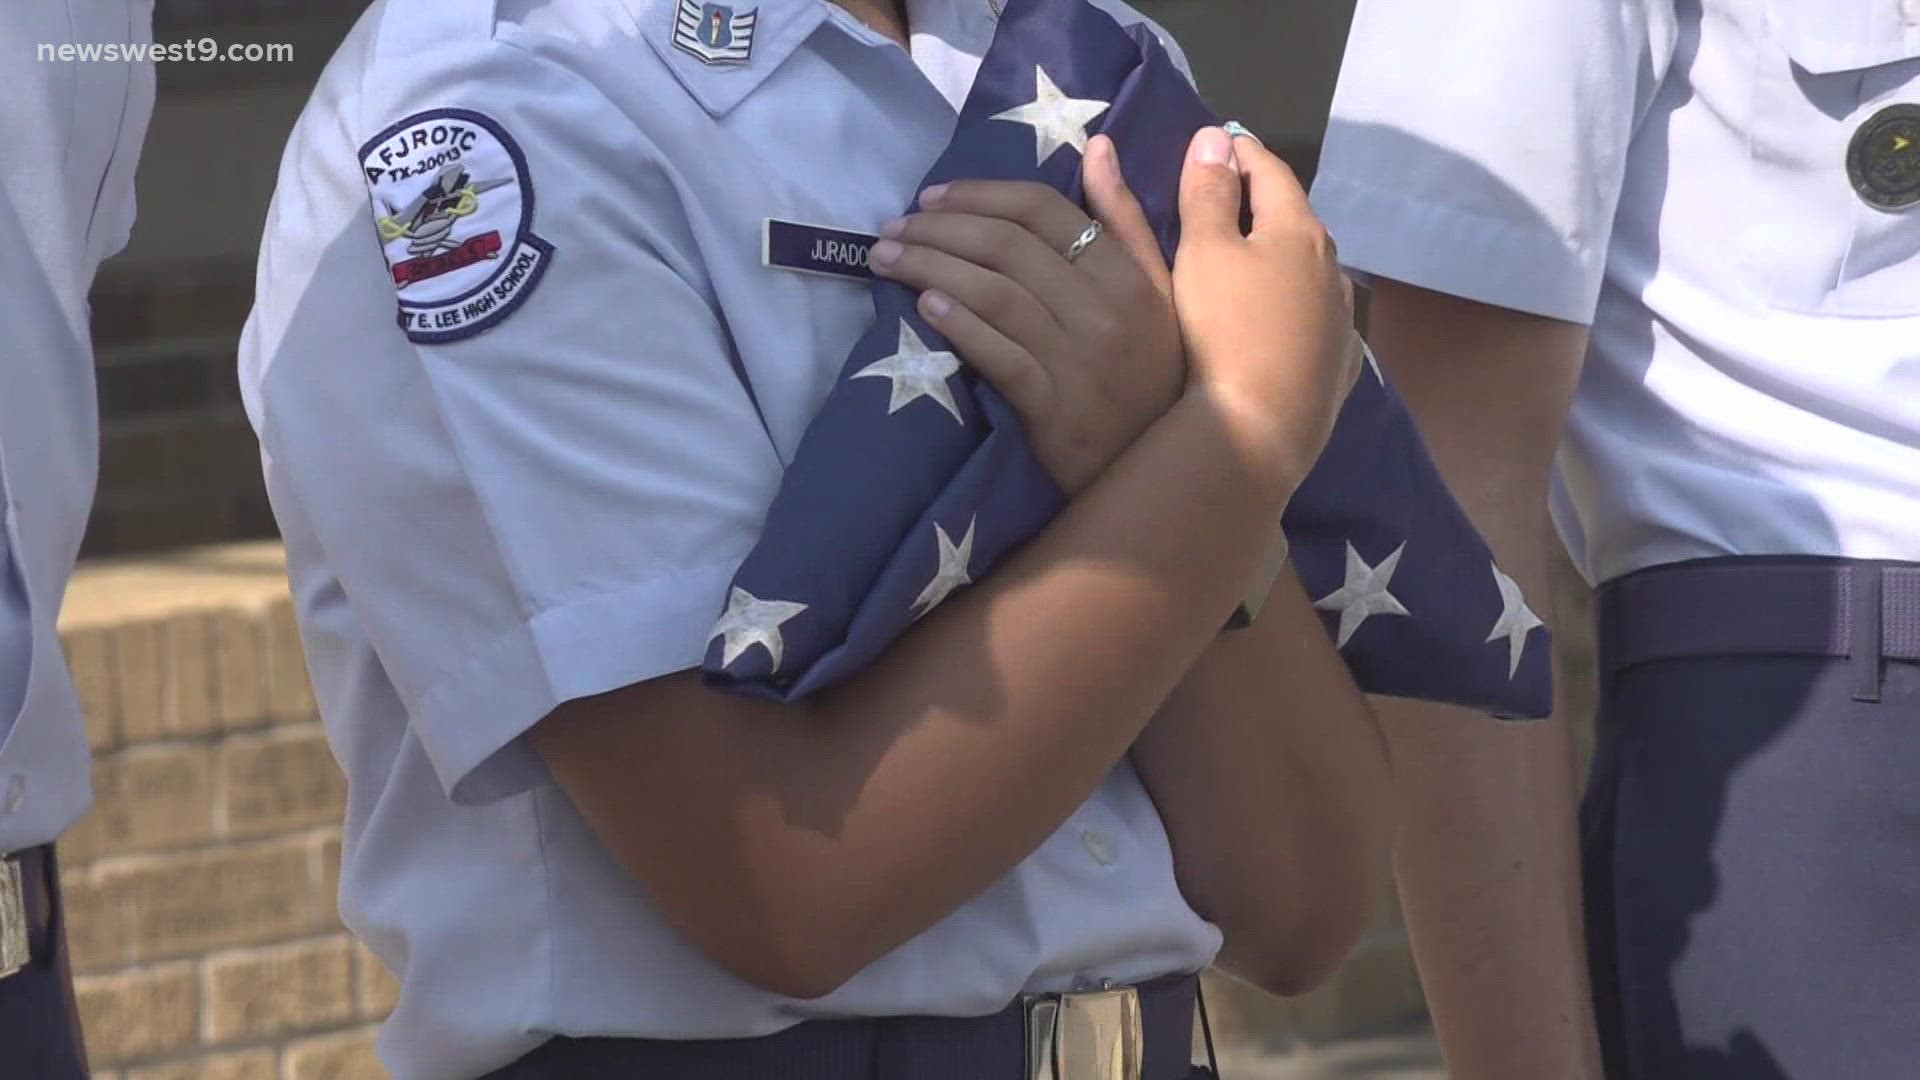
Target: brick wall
x: 200, y: 888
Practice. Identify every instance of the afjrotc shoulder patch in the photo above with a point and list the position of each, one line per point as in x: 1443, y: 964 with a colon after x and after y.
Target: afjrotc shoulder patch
x: 453, y: 203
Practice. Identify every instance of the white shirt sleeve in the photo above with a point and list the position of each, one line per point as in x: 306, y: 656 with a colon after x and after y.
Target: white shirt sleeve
x: 543, y: 511
x: 1477, y: 147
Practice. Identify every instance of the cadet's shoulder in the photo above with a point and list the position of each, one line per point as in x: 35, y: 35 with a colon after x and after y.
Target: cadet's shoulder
x: 556, y: 61
x: 406, y: 29
x: 399, y: 46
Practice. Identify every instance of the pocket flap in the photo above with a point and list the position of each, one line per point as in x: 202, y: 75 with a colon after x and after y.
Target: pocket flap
x: 1827, y: 36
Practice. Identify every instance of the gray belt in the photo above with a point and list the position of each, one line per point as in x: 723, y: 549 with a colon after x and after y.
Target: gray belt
x: 1864, y: 611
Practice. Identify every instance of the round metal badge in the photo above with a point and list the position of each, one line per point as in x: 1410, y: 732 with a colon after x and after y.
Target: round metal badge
x: 1884, y: 160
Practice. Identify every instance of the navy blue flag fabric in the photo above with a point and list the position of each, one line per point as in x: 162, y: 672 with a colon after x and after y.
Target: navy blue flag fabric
x: 916, y: 479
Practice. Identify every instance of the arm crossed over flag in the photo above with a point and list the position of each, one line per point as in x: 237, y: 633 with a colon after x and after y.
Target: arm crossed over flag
x: 916, y: 478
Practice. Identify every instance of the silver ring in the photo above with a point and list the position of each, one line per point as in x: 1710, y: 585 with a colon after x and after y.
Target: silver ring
x: 1080, y: 246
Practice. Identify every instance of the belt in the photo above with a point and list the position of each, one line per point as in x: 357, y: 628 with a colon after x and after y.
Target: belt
x: 1764, y: 606
x: 1111, y: 1033
x: 23, y: 907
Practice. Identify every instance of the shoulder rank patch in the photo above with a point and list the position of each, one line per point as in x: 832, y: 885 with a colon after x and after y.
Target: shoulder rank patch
x: 714, y: 34
x: 453, y: 203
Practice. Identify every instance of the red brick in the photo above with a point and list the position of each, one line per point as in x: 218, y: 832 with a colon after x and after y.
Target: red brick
x: 251, y: 1065
x: 378, y: 991
x: 239, y: 657
x: 347, y: 1056
x: 289, y: 693
x: 90, y: 658
x: 255, y: 993
x: 145, y: 798
x: 188, y: 903
x: 138, y: 1014
x: 279, y: 781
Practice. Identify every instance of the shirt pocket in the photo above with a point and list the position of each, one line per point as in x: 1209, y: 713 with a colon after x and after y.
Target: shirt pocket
x: 1829, y: 69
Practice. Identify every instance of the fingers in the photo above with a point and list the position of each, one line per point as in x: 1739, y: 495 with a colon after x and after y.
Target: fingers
x: 1000, y: 300
x: 1036, y: 207
x: 1277, y: 197
x: 1210, y: 187
x: 999, y: 359
x: 1113, y: 202
x: 1004, y: 247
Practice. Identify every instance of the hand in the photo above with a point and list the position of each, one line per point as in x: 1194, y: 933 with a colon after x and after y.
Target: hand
x: 1088, y: 353
x: 1267, y: 316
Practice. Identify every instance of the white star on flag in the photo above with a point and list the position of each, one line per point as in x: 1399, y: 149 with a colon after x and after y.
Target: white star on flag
x: 751, y: 621
x: 1056, y: 119
x: 916, y: 372
x: 1365, y: 593
x: 953, y: 572
x: 1517, y: 620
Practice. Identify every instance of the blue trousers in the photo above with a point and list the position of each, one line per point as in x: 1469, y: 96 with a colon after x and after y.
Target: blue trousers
x: 1751, y: 833
x: 39, y: 1026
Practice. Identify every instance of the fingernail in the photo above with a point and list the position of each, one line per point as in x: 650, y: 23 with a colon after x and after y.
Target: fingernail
x: 1213, y: 147
x: 1239, y: 130
x: 933, y: 194
x: 894, y: 227
x: 935, y: 305
x: 885, y: 253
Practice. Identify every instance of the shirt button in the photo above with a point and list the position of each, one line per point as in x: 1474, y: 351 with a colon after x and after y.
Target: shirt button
x: 16, y: 793
x: 1910, y: 11
x: 1099, y: 846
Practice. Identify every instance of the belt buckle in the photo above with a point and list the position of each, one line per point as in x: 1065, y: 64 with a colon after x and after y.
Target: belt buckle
x: 14, y: 950
x: 1085, y: 1035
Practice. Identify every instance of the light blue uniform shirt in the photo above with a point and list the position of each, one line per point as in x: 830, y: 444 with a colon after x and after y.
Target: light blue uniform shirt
x: 536, y: 484
x: 1674, y: 174
x: 70, y: 134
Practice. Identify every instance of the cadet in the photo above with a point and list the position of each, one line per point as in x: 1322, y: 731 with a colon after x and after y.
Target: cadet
x: 1718, y: 206
x: 73, y: 132
x: 511, y: 518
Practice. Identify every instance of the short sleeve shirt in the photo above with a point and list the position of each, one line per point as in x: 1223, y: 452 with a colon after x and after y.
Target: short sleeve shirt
x: 525, y: 391
x: 72, y: 131
x: 1725, y: 191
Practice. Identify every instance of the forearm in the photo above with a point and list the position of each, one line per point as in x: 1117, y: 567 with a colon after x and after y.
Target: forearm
x: 1271, y: 775
x: 847, y: 827
x: 1486, y: 850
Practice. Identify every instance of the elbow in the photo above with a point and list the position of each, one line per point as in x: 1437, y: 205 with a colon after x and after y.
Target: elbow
x: 1293, y: 968
x: 778, y: 941
x: 792, y: 972
x: 1292, y: 946
x: 1295, y: 960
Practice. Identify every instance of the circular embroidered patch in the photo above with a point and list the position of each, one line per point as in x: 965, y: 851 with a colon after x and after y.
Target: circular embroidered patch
x: 1884, y: 159
x: 453, y: 203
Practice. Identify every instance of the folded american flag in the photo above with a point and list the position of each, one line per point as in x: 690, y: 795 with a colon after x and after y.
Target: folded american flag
x: 916, y: 479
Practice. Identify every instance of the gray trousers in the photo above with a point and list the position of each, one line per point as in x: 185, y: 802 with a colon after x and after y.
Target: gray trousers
x: 1751, y: 833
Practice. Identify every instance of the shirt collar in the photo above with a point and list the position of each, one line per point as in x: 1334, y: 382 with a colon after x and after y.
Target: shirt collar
x: 779, y: 27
